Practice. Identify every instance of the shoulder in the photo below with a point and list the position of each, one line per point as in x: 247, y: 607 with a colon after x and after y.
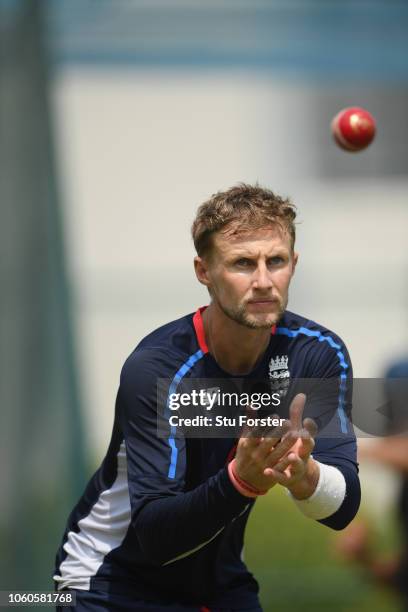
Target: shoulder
x: 321, y: 348
x: 296, y: 326
x: 162, y: 352
x: 178, y: 334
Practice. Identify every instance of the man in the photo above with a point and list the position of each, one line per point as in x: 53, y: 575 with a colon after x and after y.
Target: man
x: 161, y: 523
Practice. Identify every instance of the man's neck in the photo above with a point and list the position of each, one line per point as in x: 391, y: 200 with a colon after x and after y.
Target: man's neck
x: 236, y: 348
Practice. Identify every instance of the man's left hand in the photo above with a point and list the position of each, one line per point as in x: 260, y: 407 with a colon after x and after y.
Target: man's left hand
x: 297, y: 471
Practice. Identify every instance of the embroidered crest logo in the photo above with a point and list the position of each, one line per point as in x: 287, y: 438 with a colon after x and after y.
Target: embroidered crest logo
x: 278, y: 367
x: 279, y: 374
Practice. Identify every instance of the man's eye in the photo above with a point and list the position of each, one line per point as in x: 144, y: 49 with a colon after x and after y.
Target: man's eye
x: 274, y: 261
x: 243, y: 262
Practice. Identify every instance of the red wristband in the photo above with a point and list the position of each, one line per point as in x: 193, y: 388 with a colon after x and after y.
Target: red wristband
x: 241, y: 485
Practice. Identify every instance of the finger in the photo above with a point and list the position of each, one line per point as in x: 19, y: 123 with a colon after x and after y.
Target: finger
x: 249, y: 442
x: 271, y: 439
x: 291, y: 460
x: 306, y: 445
x: 281, y: 465
x: 274, y: 431
x: 252, y: 434
x: 278, y: 432
x: 296, y: 464
x: 282, y: 478
x: 296, y: 410
x: 292, y: 466
x: 281, y: 449
x: 311, y: 426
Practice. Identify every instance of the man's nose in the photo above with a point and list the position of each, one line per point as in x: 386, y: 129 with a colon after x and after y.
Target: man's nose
x: 262, y: 278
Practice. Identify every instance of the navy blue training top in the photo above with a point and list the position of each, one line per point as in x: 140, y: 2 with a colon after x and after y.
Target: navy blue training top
x: 160, y: 519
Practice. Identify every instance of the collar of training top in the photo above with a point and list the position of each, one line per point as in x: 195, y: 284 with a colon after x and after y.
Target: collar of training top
x: 199, y: 329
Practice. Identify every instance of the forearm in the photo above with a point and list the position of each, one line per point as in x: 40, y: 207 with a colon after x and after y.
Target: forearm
x: 175, y: 526
x: 351, y: 502
x: 327, y: 494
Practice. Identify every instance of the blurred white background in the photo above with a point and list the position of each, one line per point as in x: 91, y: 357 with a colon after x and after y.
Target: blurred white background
x: 139, y: 150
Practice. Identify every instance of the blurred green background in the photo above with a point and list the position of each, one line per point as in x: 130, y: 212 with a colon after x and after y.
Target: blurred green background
x: 298, y: 568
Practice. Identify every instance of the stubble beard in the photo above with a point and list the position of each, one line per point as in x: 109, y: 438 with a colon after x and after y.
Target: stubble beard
x: 242, y: 317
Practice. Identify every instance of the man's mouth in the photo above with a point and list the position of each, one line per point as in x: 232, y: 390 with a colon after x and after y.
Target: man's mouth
x: 262, y: 303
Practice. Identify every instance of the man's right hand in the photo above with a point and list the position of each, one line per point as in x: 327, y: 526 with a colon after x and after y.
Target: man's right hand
x: 255, y: 453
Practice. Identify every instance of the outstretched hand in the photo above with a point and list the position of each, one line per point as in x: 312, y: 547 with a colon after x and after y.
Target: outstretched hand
x: 283, y: 456
x: 292, y: 467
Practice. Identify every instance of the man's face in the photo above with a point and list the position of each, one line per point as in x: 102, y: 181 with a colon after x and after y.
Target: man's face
x: 248, y: 275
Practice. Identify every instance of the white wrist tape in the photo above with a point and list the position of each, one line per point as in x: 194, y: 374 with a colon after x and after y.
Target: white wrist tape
x: 328, y: 495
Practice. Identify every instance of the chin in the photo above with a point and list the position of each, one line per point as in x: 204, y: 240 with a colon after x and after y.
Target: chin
x: 261, y: 322
x: 252, y: 320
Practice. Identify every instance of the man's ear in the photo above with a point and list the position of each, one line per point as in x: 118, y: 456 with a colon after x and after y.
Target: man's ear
x: 201, y: 270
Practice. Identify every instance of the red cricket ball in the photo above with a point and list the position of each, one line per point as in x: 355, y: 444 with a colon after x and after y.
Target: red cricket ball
x: 353, y: 128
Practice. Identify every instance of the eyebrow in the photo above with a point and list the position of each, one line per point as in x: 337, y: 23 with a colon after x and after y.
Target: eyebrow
x: 254, y: 255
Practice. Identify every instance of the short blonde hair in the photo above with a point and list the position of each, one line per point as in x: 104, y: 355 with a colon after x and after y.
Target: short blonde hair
x: 240, y: 208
